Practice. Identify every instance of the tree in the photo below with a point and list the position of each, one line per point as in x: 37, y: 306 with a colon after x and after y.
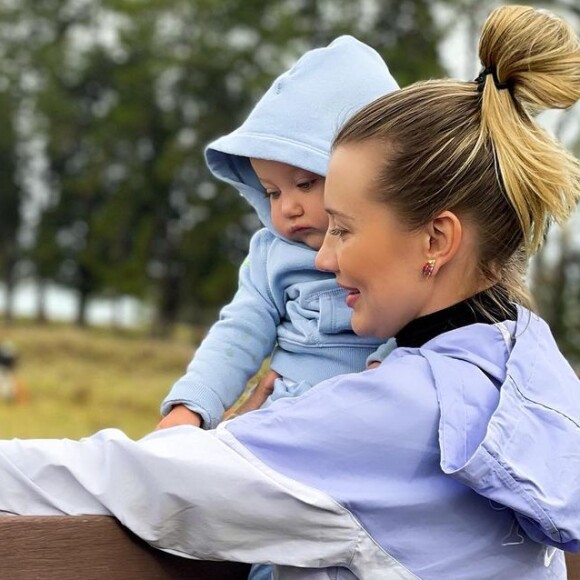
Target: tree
x: 126, y: 96
x: 216, y: 82
x: 11, y: 198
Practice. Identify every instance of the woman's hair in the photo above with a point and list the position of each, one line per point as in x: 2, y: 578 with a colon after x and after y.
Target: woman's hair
x: 474, y: 148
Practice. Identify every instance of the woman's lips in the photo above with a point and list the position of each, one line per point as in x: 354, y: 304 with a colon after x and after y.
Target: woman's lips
x: 352, y: 297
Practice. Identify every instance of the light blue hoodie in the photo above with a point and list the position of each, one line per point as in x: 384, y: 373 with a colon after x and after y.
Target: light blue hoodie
x: 284, y: 306
x: 458, y: 460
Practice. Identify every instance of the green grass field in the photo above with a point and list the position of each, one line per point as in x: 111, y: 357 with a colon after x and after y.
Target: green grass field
x: 79, y: 381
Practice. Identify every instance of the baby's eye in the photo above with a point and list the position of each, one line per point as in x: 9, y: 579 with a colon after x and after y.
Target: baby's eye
x: 272, y: 193
x: 307, y: 184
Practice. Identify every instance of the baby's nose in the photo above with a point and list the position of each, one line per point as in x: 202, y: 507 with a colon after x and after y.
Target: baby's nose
x: 291, y: 206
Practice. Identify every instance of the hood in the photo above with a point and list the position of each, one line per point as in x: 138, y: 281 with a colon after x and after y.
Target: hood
x: 297, y: 119
x: 516, y: 442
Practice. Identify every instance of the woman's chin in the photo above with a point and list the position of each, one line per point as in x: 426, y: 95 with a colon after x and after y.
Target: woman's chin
x: 362, y: 327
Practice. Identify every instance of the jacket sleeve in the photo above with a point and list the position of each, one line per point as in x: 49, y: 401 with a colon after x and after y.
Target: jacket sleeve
x: 235, y: 346
x: 382, y: 352
x: 183, y: 490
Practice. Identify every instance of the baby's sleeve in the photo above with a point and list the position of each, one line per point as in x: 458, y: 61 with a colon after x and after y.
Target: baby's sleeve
x: 382, y: 352
x: 235, y: 346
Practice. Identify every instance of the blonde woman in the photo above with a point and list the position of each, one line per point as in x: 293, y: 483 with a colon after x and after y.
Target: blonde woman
x: 458, y: 457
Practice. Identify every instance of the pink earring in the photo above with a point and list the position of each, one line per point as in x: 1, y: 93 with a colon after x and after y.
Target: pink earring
x: 428, y: 268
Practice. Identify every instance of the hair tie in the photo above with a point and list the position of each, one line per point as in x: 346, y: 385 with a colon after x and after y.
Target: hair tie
x: 490, y: 70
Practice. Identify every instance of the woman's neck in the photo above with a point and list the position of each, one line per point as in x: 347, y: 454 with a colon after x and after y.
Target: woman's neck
x: 481, y: 308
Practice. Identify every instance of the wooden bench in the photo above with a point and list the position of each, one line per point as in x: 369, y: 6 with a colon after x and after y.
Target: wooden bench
x: 93, y: 548
x: 99, y: 548
x: 573, y: 563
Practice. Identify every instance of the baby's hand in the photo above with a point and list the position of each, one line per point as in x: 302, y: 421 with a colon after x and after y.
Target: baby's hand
x: 374, y: 364
x: 257, y: 397
x: 179, y: 415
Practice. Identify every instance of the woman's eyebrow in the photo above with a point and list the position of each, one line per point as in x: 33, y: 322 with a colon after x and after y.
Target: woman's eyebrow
x: 337, y: 213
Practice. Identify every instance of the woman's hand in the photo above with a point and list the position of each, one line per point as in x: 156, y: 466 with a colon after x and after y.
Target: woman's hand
x: 180, y: 415
x: 257, y: 396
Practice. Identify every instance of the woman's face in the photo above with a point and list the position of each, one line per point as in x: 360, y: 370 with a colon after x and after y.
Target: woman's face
x: 374, y: 256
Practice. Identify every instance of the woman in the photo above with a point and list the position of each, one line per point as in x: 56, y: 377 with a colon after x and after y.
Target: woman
x: 458, y: 457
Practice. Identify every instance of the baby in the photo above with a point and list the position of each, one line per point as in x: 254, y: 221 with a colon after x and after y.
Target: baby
x: 284, y: 307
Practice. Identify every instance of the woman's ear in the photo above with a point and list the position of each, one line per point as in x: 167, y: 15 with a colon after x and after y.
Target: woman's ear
x: 444, y: 236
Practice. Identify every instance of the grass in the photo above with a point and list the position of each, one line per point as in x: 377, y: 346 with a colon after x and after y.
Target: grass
x: 79, y: 381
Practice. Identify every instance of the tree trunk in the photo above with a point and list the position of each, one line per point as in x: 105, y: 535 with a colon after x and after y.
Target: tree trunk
x: 86, y: 288
x: 9, y: 285
x: 9, y: 303
x: 168, y: 305
x: 540, y: 284
x: 558, y: 322
x: 82, y: 305
x: 116, y: 313
x: 41, y: 316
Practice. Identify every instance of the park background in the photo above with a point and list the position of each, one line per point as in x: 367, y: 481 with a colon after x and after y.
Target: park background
x: 117, y: 248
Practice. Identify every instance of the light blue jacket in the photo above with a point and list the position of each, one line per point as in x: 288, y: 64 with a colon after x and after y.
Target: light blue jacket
x: 458, y: 460
x: 284, y: 306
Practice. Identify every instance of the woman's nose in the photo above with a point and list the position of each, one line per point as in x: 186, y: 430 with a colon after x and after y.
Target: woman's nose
x: 326, y: 256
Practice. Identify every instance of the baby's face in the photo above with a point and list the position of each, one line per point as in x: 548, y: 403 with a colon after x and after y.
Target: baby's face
x: 296, y: 201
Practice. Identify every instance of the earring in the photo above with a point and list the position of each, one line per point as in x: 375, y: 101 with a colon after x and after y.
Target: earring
x: 428, y: 268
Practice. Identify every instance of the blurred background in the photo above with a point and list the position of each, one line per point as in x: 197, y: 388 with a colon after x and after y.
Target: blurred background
x: 117, y: 248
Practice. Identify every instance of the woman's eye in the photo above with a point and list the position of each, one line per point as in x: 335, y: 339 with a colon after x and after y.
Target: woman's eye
x: 338, y: 232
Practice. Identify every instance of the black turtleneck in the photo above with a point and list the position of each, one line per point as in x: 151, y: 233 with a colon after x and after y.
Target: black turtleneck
x: 478, y: 308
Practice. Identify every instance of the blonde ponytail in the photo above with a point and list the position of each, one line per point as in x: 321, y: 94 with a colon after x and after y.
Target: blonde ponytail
x: 537, y: 57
